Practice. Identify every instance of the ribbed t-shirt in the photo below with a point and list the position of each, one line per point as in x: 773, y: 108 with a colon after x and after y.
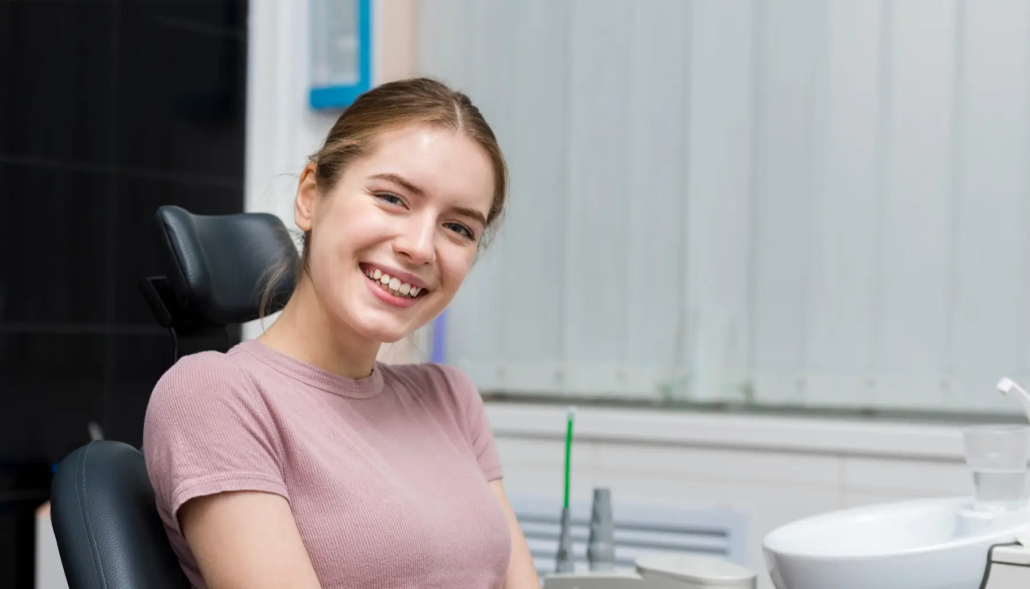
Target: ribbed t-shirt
x: 387, y: 476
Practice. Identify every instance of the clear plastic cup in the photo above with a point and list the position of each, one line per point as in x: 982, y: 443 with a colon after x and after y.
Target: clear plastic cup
x: 997, y: 455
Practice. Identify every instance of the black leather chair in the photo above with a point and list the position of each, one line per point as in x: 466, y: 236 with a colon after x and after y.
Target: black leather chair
x: 108, y: 530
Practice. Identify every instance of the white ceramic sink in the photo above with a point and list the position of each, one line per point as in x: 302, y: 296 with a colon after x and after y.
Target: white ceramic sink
x: 924, y: 544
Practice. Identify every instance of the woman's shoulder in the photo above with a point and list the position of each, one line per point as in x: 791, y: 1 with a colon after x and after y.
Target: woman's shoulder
x: 444, y: 378
x: 206, y: 380
x: 213, y: 371
x: 451, y: 394
x: 438, y: 384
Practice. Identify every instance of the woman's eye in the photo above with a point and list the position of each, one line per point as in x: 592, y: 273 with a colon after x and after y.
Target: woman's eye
x: 390, y: 198
x: 461, y: 230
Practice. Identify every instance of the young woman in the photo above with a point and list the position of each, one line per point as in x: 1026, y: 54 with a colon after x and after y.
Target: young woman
x: 296, y: 460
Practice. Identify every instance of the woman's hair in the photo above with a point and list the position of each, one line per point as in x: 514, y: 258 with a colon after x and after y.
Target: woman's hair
x: 385, y: 108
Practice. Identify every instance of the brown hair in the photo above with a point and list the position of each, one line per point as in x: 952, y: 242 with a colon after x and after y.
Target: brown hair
x: 384, y: 108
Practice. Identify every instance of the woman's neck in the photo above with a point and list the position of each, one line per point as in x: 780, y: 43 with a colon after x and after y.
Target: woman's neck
x: 306, y: 332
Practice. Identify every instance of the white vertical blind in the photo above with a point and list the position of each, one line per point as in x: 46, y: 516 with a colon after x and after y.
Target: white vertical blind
x: 817, y: 203
x: 916, y: 228
x: 535, y: 217
x: 790, y: 47
x: 597, y: 128
x: 847, y: 179
x: 653, y: 210
x: 989, y: 271
x: 720, y: 182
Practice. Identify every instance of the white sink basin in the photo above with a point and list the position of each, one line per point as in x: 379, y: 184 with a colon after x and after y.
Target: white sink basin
x: 924, y: 544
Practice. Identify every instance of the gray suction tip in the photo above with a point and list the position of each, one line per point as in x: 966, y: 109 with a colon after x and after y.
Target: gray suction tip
x: 565, y: 560
x: 601, y: 547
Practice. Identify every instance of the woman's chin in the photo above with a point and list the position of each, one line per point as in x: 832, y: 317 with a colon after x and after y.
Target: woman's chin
x: 390, y: 339
x: 385, y: 326
x: 384, y: 334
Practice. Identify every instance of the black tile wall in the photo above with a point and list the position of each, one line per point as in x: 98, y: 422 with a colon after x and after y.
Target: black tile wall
x: 108, y: 109
x: 56, y: 72
x: 16, y: 548
x: 53, y: 385
x: 53, y: 229
x: 181, y: 86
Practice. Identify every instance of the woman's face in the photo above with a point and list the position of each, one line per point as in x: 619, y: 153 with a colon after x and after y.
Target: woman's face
x: 394, y: 239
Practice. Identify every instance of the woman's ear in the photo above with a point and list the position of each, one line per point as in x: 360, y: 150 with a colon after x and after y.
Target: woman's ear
x: 307, y: 198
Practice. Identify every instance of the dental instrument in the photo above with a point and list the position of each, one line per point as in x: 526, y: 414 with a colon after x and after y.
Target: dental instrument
x: 658, y: 571
x: 565, y: 559
x: 601, y: 544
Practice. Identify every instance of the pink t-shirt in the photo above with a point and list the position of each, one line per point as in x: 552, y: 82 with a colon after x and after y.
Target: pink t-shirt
x: 387, y: 476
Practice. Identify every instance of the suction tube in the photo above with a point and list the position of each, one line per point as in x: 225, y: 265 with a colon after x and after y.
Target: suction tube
x: 1009, y: 388
x: 570, y: 420
x: 565, y: 560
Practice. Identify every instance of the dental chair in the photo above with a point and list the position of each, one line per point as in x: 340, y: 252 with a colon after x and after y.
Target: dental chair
x: 108, y: 531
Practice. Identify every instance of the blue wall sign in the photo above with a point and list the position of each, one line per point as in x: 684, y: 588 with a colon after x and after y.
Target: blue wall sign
x: 341, y: 52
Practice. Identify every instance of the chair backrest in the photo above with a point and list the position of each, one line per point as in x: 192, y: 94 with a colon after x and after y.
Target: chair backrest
x: 107, y: 527
x: 216, y: 263
x: 217, y: 267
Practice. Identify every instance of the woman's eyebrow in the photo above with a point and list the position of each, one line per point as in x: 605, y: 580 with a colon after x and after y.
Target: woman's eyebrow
x: 407, y: 185
x: 401, y: 181
x: 473, y: 213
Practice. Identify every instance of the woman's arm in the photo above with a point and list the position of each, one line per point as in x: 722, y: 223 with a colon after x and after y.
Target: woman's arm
x: 522, y: 572
x: 246, y: 540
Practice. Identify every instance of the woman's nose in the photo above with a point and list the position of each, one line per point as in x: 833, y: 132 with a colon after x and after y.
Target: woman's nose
x: 416, y: 242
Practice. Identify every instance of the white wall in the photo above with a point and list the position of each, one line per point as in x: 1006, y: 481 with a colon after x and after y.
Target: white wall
x: 820, y: 201
x: 49, y: 569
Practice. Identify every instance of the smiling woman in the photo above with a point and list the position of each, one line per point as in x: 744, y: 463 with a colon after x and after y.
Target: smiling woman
x: 299, y: 460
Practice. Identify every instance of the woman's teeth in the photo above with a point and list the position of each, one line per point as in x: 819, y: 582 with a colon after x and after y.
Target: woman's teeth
x: 394, y: 285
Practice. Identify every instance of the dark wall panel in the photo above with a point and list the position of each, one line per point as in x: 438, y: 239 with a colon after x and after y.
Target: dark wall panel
x: 53, y: 387
x: 140, y: 360
x: 53, y: 229
x: 56, y: 68
x: 181, y: 87
x: 108, y: 109
x: 113, y: 109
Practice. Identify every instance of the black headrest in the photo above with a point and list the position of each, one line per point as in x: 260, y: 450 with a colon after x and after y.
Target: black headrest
x: 218, y: 266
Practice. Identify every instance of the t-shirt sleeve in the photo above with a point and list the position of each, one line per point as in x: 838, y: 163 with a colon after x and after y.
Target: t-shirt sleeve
x: 475, y: 423
x: 208, y: 431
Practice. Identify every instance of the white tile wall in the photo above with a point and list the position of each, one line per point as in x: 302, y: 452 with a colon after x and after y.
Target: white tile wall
x: 902, y: 477
x: 720, y: 465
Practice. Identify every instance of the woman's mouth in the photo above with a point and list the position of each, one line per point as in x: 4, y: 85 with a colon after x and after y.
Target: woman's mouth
x: 392, y: 285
